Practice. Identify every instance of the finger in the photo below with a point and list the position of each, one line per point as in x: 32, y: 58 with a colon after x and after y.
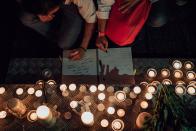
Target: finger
x: 105, y: 43
x: 76, y: 57
x: 101, y: 47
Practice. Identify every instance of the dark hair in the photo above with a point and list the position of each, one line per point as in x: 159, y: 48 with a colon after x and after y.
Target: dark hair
x: 39, y: 6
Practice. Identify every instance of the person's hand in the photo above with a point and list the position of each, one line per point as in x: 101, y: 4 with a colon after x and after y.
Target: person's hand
x: 102, y: 43
x: 45, y: 18
x: 76, y: 54
x: 127, y: 5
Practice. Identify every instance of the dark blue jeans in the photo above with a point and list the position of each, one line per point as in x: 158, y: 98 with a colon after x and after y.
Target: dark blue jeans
x: 64, y: 29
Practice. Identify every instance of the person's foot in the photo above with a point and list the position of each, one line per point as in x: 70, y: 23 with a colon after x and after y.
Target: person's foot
x: 181, y: 2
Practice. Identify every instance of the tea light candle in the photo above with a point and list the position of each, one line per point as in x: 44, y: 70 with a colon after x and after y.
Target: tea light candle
x: 31, y: 91
x: 167, y: 82
x: 104, y: 123
x: 110, y: 89
x: 101, y: 96
x: 180, y: 90
x: 117, y: 125
x: 3, y: 114
x: 165, y: 73
x: 32, y: 116
x: 51, y: 82
x: 120, y: 96
x: 101, y: 87
x: 148, y: 96
x: 188, y: 65
x: 63, y: 87
x: 2, y: 90
x: 144, y: 104
x: 87, y: 118
x: 191, y: 90
x: 121, y: 112
x: 190, y: 75
x: 101, y: 107
x: 178, y: 74
x: 73, y: 104
x: 93, y: 88
x: 72, y: 87
x: 82, y: 88
x: 151, y: 89
x: 19, y: 91
x: 126, y: 89
x: 38, y: 93
x: 180, y: 83
x: 152, y: 73
x: 137, y: 90
x: 111, y: 110
x: 177, y: 64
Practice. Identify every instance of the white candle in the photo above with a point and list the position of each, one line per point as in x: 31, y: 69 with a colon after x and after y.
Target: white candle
x: 190, y: 75
x: 180, y: 89
x: 144, y: 104
x: 101, y: 96
x: 191, y: 90
x: 32, y: 116
x: 38, y: 93
x: 87, y: 118
x: 101, y: 107
x: 104, y: 123
x: 178, y: 74
x: 177, y: 64
x: 73, y: 104
x: 93, y: 88
x: 2, y: 90
x: 137, y: 90
x: 188, y: 65
x: 148, y: 96
x: 165, y: 73
x: 43, y: 112
x: 151, y: 89
x: 72, y: 87
x: 167, y: 82
x: 121, y: 112
x: 152, y: 73
x: 63, y: 87
x: 120, y: 96
x: 3, y: 114
x: 51, y: 82
x: 111, y: 110
x: 101, y: 87
x: 31, y: 91
x: 117, y: 125
x: 19, y: 91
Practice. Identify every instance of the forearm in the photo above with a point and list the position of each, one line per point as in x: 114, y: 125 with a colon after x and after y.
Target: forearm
x: 89, y: 27
x: 102, y: 25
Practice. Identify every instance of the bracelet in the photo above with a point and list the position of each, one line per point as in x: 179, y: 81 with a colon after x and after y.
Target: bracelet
x: 83, y: 48
x: 101, y: 34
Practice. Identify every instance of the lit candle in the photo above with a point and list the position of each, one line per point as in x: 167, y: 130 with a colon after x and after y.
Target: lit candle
x: 167, y: 82
x: 110, y: 89
x: 188, y: 65
x: 151, y: 89
x: 180, y: 83
x: 191, y: 90
x: 32, y: 116
x: 120, y: 96
x: 180, y: 90
x: 82, y: 88
x: 2, y: 90
x: 93, y: 88
x: 101, y: 87
x: 126, y: 89
x: 101, y: 96
x: 19, y: 91
x: 87, y: 118
x: 38, y: 93
x: 73, y: 104
x: 177, y: 64
x: 101, y: 107
x: 178, y: 74
x: 144, y: 104
x: 132, y: 95
x: 121, y: 112
x: 31, y: 91
x: 65, y: 93
x: 63, y: 87
x: 117, y: 125
x: 152, y: 73
x: 190, y: 75
x: 3, y: 114
x: 72, y: 87
x: 165, y: 73
x: 111, y: 110
x: 51, y: 82
x: 104, y: 123
x: 148, y: 96
x: 137, y: 90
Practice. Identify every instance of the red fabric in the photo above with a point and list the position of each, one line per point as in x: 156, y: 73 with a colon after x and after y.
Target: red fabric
x: 123, y: 28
